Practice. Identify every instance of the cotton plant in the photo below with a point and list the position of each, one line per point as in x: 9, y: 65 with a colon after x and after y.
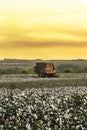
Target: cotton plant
x: 59, y: 108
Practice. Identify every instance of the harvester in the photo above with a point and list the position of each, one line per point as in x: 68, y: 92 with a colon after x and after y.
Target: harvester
x: 45, y: 69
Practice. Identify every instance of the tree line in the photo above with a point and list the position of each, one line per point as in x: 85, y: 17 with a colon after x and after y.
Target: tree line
x: 70, y: 68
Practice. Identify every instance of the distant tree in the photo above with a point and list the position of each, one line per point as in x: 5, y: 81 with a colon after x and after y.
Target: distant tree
x: 24, y: 72
x: 81, y: 70
x: 69, y: 70
x: 66, y: 67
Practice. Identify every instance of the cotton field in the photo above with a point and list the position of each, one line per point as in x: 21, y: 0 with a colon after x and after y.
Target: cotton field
x: 57, y: 108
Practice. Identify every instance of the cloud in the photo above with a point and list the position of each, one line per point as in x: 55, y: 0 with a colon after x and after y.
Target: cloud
x: 27, y: 44
x: 46, y: 30
x: 41, y: 44
x: 42, y: 37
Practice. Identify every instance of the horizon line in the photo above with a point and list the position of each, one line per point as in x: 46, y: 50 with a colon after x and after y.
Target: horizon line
x: 40, y: 59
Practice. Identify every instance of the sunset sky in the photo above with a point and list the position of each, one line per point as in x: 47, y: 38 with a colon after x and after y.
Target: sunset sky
x: 43, y: 29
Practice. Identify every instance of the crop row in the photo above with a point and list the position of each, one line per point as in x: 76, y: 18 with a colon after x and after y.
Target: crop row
x: 43, y: 83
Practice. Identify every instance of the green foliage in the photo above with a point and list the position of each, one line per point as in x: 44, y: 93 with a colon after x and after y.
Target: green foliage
x: 24, y: 72
x: 69, y: 70
x: 16, y: 70
x: 81, y: 70
x: 10, y: 71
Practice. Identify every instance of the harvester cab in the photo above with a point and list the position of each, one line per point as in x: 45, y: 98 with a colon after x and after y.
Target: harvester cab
x: 45, y: 69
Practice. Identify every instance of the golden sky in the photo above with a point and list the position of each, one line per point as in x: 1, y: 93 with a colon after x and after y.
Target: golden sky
x: 46, y: 29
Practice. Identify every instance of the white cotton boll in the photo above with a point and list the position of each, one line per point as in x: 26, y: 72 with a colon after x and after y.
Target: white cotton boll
x: 23, y: 93
x: 58, y: 101
x: 71, y: 108
x: 75, y: 118
x: 56, y: 127
x: 44, y: 103
x: 53, y: 107
x: 35, y: 116
x: 51, y: 112
x: 67, y: 110
x: 19, y: 110
x: 41, y: 122
x: 67, y: 97
x: 47, y: 128
x: 57, y: 119
x: 29, y: 109
x: 66, y: 115
x: 78, y: 126
x: 52, y: 97
x: 85, y: 110
x: 0, y: 108
x: 81, y: 108
x: 45, y: 117
x: 60, y: 119
x: 1, y: 127
x: 15, y: 127
x: 28, y: 126
x: 85, y: 101
x: 6, y: 99
x: 49, y: 123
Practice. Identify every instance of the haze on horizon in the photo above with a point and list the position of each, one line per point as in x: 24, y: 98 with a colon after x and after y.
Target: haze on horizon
x: 43, y: 29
